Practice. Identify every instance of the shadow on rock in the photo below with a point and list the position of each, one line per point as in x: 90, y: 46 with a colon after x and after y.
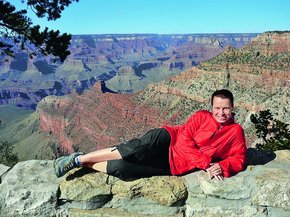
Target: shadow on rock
x: 79, y: 173
x: 259, y: 157
x: 84, y: 170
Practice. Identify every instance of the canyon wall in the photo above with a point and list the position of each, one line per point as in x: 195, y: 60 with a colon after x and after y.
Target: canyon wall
x: 25, y: 81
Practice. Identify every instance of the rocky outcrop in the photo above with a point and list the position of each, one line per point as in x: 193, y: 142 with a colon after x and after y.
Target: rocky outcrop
x: 31, y: 189
x: 272, y: 43
x: 31, y: 186
x: 267, y: 54
x: 115, y: 118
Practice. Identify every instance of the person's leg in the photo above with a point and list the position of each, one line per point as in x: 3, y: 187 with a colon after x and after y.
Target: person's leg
x: 64, y: 164
x: 101, y: 166
x: 139, y: 150
x: 127, y: 170
x: 152, y: 143
x: 100, y: 156
x: 151, y: 149
x: 142, y: 157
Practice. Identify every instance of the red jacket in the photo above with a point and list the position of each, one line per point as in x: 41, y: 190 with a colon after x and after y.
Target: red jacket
x: 202, y: 140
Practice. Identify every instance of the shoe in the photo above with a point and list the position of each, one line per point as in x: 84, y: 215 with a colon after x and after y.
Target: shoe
x: 66, y: 163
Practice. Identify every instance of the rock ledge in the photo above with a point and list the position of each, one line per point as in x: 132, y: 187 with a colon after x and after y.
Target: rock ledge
x: 31, y: 189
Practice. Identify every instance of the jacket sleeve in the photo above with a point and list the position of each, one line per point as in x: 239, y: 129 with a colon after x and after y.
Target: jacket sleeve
x: 187, y: 147
x: 236, y: 158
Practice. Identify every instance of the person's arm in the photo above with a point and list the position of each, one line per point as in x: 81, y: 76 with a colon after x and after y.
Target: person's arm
x: 236, y: 159
x: 188, y: 150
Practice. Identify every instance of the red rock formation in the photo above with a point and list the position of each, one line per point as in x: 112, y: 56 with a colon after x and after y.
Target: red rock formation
x: 96, y: 119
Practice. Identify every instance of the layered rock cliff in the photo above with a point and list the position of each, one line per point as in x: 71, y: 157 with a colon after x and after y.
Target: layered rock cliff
x: 268, y: 54
x: 100, y: 57
x: 272, y: 43
x: 96, y: 119
x: 263, y: 189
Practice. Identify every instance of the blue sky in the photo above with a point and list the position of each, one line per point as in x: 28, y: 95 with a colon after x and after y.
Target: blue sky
x: 171, y: 16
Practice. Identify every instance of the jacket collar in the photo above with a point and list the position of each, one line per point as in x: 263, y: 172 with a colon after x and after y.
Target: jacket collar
x: 228, y: 122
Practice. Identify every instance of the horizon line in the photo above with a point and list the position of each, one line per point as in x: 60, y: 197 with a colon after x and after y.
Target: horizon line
x: 82, y: 34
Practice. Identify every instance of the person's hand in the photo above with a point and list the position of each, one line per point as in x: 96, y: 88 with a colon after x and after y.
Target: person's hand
x: 215, y: 171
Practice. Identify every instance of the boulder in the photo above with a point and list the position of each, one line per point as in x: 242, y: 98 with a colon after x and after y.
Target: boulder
x: 260, y: 190
x: 160, y: 195
x: 29, y: 189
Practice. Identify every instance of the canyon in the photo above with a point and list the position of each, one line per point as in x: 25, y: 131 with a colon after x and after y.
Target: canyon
x: 259, y: 76
x: 126, y: 62
x: 99, y: 118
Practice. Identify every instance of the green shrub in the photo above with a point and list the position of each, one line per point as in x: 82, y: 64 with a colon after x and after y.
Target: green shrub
x: 7, y: 157
x: 274, y: 133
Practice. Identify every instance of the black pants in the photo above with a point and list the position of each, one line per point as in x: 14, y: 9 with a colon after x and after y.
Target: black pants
x: 143, y: 157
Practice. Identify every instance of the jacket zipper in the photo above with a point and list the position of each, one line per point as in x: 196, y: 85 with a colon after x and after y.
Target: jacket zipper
x: 219, y: 129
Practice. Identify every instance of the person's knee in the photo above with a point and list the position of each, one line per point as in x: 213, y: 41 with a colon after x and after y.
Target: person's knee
x: 118, y: 168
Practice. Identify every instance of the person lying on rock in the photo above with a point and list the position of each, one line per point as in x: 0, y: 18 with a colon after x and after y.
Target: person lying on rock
x: 209, y: 141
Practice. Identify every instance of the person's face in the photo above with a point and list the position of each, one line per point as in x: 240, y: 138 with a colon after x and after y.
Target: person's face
x: 221, y: 109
